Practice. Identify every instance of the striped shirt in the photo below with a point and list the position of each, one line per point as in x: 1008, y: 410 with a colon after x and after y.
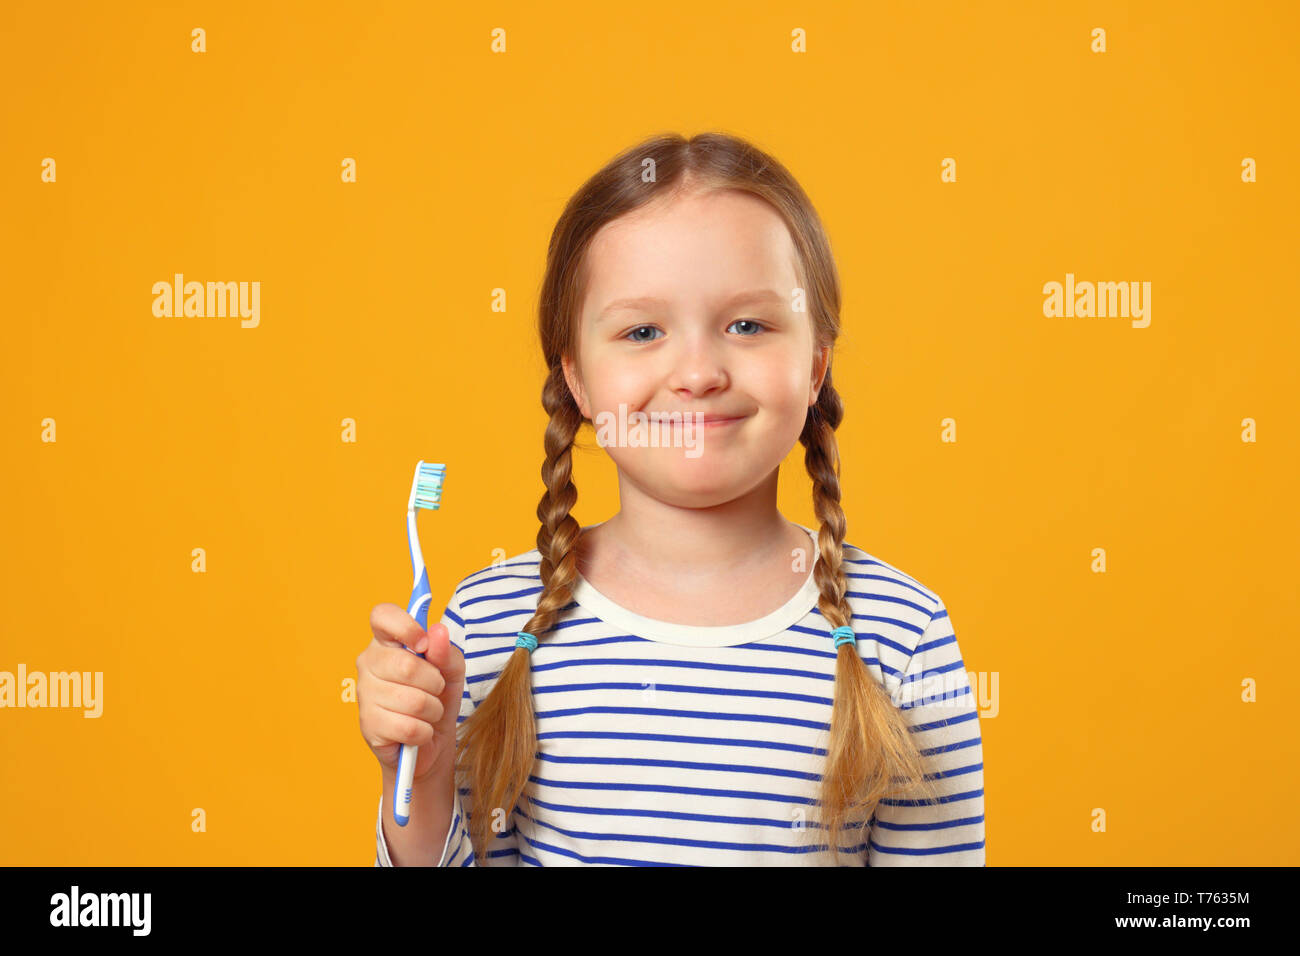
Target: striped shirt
x: 662, y: 744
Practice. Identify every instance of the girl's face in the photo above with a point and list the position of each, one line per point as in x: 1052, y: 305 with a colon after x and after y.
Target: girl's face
x: 690, y: 307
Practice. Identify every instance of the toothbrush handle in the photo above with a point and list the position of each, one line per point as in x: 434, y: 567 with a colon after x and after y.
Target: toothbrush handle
x: 419, y: 609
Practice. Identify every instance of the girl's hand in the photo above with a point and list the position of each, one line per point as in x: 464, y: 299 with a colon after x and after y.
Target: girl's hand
x: 403, y: 698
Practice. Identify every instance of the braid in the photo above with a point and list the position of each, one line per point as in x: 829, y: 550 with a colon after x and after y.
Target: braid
x: 559, y: 530
x: 822, y: 459
x: 498, y: 745
x: 870, y: 744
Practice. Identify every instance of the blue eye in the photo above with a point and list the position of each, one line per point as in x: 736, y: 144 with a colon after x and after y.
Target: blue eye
x: 638, y: 329
x: 757, y: 325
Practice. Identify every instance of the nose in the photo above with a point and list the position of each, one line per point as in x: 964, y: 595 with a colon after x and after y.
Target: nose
x: 698, y: 371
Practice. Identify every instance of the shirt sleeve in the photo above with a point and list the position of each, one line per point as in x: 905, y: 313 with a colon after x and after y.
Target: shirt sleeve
x: 455, y: 851
x: 935, y: 693
x: 458, y: 850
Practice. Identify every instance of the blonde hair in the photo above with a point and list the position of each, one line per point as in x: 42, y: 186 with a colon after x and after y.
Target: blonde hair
x: 870, y: 755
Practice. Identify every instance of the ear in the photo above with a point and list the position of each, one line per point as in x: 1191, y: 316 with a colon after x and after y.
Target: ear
x: 574, y: 382
x: 821, y: 363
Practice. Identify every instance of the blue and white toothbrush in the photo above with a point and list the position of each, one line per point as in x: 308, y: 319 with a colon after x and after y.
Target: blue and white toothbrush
x: 426, y: 492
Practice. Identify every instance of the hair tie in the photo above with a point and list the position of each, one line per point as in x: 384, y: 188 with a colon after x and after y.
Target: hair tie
x: 844, y: 635
x: 526, y: 640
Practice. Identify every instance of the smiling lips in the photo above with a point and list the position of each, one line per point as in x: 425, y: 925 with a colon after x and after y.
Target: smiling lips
x: 708, y: 421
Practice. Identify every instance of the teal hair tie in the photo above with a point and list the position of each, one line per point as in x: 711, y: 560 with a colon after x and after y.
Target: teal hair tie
x: 526, y: 640
x: 844, y: 635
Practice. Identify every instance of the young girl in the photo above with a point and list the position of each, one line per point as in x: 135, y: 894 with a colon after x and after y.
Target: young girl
x: 695, y: 680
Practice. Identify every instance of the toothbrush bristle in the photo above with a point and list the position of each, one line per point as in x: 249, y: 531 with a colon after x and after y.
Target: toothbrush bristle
x: 428, y: 485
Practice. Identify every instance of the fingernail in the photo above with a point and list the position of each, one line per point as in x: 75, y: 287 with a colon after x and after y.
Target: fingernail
x: 421, y: 644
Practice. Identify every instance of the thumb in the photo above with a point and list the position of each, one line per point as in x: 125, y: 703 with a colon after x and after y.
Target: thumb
x: 445, y: 655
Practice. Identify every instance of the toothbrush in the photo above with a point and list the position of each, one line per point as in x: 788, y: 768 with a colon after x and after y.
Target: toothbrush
x: 426, y: 493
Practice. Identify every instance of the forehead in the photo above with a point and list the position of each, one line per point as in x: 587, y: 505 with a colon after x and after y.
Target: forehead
x: 699, y: 246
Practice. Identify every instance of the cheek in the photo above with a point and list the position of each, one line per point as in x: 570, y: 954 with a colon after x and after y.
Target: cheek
x: 783, y: 388
x: 618, y: 381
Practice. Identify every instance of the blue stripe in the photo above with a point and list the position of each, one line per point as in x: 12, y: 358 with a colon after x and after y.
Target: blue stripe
x: 936, y: 825
x: 665, y: 788
x: 687, y: 689
x: 777, y: 823
x: 953, y: 798
x: 675, y: 738
x: 925, y: 850
x: 658, y: 841
x: 957, y: 665
x: 500, y: 596
x: 699, y: 715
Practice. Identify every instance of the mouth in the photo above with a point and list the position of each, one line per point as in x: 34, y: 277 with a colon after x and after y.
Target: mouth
x: 708, y: 421
x: 719, y: 422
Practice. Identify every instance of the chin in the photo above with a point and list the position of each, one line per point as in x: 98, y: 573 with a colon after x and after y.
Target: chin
x: 703, y: 490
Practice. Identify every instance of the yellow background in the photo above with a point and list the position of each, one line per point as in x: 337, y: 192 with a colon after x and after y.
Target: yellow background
x: 222, y: 690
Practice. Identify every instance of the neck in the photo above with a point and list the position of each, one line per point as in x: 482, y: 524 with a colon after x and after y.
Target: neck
x: 653, y: 537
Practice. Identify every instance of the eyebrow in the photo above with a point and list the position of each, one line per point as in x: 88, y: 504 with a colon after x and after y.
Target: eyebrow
x: 750, y: 297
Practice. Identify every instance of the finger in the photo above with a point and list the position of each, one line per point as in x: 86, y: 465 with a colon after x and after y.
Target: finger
x: 392, y: 728
x: 393, y: 626
x: 445, y: 655
x: 398, y: 666
x: 401, y: 699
